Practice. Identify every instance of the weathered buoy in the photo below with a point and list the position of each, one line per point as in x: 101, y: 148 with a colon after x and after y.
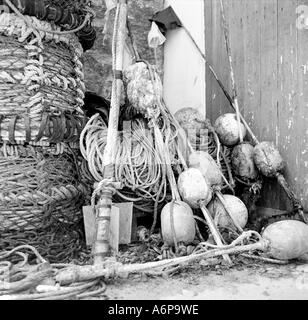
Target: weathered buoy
x: 288, y: 239
x: 268, y: 159
x: 193, y: 188
x: 226, y: 127
x: 141, y: 92
x: 236, y: 208
x: 203, y: 161
x: 242, y: 161
x: 184, y: 223
x: 190, y: 119
x: 271, y: 164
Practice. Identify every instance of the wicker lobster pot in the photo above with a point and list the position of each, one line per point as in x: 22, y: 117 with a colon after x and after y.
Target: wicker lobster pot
x: 41, y: 83
x: 76, y: 4
x: 38, y: 189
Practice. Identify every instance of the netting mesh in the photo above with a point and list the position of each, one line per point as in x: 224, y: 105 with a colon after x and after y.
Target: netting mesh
x: 58, y: 243
x: 78, y: 4
x: 41, y: 83
x: 37, y: 190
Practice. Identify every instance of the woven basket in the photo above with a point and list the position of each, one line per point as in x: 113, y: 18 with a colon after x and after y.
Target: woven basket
x: 68, y: 14
x: 72, y: 4
x: 37, y: 190
x: 41, y: 83
x: 8, y: 150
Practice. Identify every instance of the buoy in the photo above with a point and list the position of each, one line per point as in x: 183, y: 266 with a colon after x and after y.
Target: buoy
x: 242, y: 161
x: 226, y: 127
x: 190, y: 119
x: 236, y: 208
x: 288, y: 239
x: 268, y: 159
x: 203, y: 161
x: 193, y: 188
x: 184, y: 223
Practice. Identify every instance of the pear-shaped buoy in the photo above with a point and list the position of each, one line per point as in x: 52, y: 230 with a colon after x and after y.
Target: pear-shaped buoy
x: 226, y: 127
x: 184, y: 223
x: 193, y: 188
x: 236, y: 208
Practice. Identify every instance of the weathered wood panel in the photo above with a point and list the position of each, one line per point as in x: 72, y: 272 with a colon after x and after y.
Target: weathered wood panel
x: 302, y: 72
x: 271, y: 67
x: 214, y: 49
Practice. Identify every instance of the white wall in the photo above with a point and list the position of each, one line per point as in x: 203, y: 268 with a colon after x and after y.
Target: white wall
x: 184, y: 68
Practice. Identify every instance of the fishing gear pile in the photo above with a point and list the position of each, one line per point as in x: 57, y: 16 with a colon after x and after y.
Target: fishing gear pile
x: 153, y: 151
x: 41, y: 117
x: 43, y: 280
x: 158, y: 160
x: 140, y: 162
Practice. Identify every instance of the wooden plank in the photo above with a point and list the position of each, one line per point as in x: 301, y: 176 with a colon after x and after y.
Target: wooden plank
x: 89, y: 224
x: 269, y: 108
x: 252, y: 52
x: 126, y: 212
x: 209, y: 79
x: 288, y: 93
x: 235, y: 20
x: 216, y: 52
x: 302, y: 116
x: 114, y: 236
x: 268, y: 71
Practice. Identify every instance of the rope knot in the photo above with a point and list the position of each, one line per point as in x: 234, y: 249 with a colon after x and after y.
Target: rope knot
x: 106, y: 185
x: 152, y: 123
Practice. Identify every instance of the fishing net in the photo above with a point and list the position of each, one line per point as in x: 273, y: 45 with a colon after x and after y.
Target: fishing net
x: 74, y: 5
x: 38, y: 189
x: 41, y: 83
x: 8, y: 150
x: 58, y: 242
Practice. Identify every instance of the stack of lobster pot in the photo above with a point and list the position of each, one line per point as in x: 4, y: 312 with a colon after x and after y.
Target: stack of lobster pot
x: 41, y: 116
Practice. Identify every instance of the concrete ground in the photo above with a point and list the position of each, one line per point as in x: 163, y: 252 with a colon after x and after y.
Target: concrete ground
x: 249, y: 281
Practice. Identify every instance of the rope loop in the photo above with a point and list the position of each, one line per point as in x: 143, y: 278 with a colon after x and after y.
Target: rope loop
x: 106, y: 185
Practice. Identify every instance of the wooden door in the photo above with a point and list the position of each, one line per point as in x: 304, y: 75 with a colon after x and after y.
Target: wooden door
x: 269, y: 43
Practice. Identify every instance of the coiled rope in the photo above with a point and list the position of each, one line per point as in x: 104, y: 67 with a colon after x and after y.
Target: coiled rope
x: 23, y: 281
